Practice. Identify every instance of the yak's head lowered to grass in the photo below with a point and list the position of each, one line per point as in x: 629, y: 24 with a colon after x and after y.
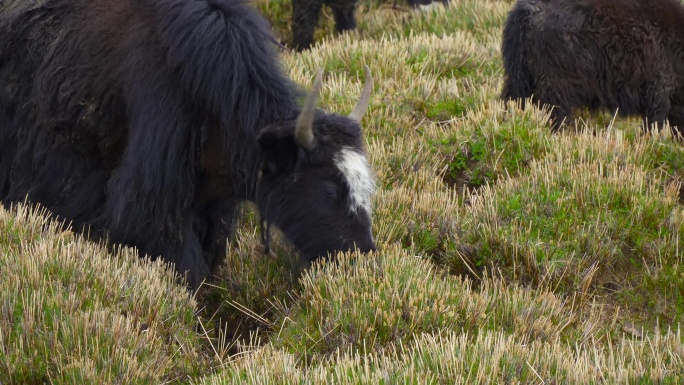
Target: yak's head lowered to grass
x: 316, y: 183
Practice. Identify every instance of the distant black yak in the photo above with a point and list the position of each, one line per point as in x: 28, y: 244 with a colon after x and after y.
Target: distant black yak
x: 305, y: 15
x: 305, y: 19
x: 599, y: 54
x: 148, y: 121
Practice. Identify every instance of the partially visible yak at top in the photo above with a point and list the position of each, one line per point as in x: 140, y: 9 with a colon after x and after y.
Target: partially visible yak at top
x: 625, y: 55
x: 149, y: 121
x: 423, y: 4
x: 305, y: 15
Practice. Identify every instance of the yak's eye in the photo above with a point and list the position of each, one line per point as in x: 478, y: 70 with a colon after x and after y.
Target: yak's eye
x: 330, y: 190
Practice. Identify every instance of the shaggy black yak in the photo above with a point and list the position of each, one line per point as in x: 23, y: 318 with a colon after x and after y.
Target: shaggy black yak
x: 305, y: 14
x: 625, y: 55
x: 149, y: 121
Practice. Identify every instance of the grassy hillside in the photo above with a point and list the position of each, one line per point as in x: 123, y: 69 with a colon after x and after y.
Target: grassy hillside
x: 507, y: 254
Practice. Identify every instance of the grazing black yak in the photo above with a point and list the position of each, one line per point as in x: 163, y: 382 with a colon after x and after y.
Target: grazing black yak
x: 600, y: 54
x: 148, y: 121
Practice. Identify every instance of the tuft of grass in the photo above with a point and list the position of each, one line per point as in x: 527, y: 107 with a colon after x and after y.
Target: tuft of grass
x: 460, y: 358
x: 72, y: 313
x: 372, y: 302
x: 491, y: 143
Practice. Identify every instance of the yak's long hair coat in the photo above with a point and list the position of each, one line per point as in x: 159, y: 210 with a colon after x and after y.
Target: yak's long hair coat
x: 625, y: 55
x: 147, y: 122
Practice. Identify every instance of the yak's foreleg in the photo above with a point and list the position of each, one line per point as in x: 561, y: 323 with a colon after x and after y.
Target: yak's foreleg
x: 214, y: 224
x: 559, y: 117
x: 8, y: 146
x: 676, y: 119
x: 345, y: 18
x: 150, y: 195
x: 654, y: 116
x: 676, y: 113
x: 655, y: 104
x: 560, y: 113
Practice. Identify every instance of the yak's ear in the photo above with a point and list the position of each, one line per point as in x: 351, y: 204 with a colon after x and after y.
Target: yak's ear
x: 280, y: 152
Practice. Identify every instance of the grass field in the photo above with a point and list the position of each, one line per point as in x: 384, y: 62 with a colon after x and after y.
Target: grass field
x: 507, y: 254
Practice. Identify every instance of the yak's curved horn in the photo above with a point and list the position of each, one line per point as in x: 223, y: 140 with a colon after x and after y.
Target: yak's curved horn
x: 304, y: 135
x: 362, y: 104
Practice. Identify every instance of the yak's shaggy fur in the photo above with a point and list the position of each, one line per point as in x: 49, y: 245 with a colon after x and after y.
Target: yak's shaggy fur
x: 148, y: 121
x: 599, y: 54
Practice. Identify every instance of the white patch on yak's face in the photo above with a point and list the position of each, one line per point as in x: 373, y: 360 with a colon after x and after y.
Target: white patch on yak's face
x: 357, y: 173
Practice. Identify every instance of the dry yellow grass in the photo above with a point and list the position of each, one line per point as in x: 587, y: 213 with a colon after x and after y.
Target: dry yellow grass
x: 459, y: 358
x: 72, y: 313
